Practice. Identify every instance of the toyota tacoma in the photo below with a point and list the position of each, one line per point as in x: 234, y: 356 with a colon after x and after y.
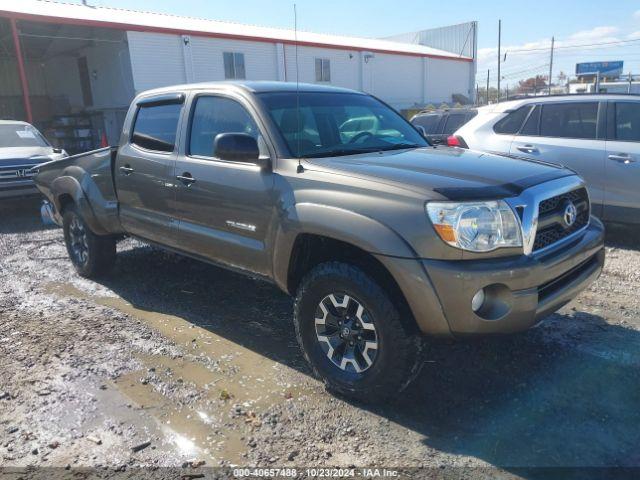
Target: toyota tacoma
x: 333, y: 196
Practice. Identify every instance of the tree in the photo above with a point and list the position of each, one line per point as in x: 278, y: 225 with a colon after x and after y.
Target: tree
x: 562, y: 77
x: 532, y: 85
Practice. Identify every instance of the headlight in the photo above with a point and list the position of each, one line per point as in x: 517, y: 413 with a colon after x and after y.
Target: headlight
x: 475, y: 226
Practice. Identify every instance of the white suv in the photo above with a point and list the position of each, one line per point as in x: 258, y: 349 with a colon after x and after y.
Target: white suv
x: 598, y: 136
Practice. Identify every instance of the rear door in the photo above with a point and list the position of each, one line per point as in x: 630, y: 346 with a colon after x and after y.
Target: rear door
x: 622, y: 184
x: 568, y: 133
x: 144, y: 170
x: 224, y: 208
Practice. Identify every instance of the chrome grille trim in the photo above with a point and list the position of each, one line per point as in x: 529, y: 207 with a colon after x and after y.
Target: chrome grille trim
x: 528, y: 203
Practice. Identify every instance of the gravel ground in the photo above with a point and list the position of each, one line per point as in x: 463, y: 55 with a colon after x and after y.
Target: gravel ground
x: 173, y: 363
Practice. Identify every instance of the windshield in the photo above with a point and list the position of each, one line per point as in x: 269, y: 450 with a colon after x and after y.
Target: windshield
x: 333, y: 124
x: 20, y: 135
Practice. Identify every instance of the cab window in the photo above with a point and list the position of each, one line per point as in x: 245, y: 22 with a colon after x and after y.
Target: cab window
x: 215, y: 115
x: 155, y: 127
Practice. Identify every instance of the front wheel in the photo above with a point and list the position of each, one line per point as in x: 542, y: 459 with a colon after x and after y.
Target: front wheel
x: 92, y: 255
x: 352, y: 335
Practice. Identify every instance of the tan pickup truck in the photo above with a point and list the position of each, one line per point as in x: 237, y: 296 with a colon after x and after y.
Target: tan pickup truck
x: 329, y: 193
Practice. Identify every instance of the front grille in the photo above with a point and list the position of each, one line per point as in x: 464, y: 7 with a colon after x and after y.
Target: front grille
x: 551, y: 226
x: 13, y: 173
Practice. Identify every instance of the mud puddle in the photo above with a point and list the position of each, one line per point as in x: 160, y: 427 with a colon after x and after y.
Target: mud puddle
x: 206, y: 401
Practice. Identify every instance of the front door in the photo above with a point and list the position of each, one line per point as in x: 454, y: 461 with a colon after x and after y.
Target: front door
x: 224, y: 209
x: 566, y: 133
x: 622, y: 184
x: 144, y: 172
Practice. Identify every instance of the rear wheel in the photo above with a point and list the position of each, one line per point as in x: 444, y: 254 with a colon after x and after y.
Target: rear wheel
x: 352, y: 334
x: 92, y: 255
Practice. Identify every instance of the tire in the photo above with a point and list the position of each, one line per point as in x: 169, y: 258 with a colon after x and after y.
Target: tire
x: 368, y: 374
x: 92, y: 255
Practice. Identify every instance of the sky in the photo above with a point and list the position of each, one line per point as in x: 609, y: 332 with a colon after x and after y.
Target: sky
x: 525, y: 26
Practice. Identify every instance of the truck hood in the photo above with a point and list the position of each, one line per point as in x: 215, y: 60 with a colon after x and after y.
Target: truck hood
x: 454, y: 173
x: 35, y: 154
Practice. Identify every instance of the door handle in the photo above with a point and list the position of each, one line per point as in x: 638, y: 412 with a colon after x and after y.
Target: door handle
x: 622, y: 158
x: 186, y: 178
x: 126, y: 170
x: 528, y: 149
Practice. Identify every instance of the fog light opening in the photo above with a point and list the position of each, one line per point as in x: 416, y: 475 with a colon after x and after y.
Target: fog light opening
x: 478, y: 300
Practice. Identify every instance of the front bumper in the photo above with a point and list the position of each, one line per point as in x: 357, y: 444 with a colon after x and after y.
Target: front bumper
x: 521, y: 290
x: 18, y: 189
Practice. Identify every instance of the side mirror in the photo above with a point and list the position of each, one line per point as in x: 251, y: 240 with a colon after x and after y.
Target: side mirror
x: 237, y: 147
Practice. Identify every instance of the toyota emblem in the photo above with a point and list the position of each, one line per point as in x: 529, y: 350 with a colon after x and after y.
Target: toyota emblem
x: 570, y: 214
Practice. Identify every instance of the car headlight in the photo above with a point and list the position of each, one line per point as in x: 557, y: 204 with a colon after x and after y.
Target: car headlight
x: 475, y: 226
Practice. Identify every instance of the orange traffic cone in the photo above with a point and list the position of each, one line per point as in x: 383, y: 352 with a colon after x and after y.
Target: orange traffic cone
x: 103, y: 141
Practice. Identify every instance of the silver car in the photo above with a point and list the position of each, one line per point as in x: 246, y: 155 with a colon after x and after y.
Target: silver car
x: 22, y: 147
x: 597, y: 135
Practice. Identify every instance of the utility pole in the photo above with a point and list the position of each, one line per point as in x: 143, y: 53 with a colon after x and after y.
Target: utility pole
x: 488, y: 71
x: 629, y: 86
x: 597, y: 82
x: 477, y: 94
x: 551, y: 64
x: 499, y: 55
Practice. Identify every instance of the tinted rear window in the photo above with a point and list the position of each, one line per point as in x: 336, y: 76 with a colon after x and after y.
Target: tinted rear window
x: 569, y: 120
x: 454, y: 122
x: 428, y: 122
x: 531, y: 125
x: 155, y: 127
x: 628, y: 121
x: 512, y: 122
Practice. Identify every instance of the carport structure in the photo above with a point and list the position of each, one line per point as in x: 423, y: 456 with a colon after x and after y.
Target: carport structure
x: 72, y: 81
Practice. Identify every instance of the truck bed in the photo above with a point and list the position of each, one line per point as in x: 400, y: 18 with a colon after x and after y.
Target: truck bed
x: 86, y: 179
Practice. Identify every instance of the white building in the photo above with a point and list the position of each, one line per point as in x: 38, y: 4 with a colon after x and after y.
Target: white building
x: 72, y: 69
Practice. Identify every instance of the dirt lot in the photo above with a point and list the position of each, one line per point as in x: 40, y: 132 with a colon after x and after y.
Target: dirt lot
x: 170, y: 361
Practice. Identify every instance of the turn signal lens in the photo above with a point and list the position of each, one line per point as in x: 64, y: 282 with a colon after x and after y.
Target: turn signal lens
x: 446, y: 232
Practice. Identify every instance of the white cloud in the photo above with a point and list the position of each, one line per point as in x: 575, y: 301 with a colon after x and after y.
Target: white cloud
x: 598, y: 34
x: 528, y: 59
x: 636, y: 14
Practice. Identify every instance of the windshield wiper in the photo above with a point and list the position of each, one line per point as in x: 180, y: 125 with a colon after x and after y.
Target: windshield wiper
x: 400, y: 146
x: 340, y: 153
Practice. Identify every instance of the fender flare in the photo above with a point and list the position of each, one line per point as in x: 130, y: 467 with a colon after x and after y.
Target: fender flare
x: 69, y: 185
x: 336, y: 223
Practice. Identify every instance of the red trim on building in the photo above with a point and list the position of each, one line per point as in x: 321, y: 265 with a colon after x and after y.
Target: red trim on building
x: 21, y: 70
x: 197, y: 33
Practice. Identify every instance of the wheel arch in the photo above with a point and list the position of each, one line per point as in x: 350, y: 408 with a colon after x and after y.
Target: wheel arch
x: 311, y: 234
x: 309, y: 220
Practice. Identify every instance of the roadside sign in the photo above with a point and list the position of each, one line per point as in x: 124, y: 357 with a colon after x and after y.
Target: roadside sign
x: 606, y: 69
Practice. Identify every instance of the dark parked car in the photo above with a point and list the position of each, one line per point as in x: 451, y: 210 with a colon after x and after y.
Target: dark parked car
x: 339, y: 201
x: 439, y: 125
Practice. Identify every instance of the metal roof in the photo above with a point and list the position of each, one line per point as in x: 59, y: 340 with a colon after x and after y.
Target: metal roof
x: 107, y: 17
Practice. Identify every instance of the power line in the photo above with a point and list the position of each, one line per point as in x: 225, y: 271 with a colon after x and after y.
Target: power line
x: 582, y: 45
